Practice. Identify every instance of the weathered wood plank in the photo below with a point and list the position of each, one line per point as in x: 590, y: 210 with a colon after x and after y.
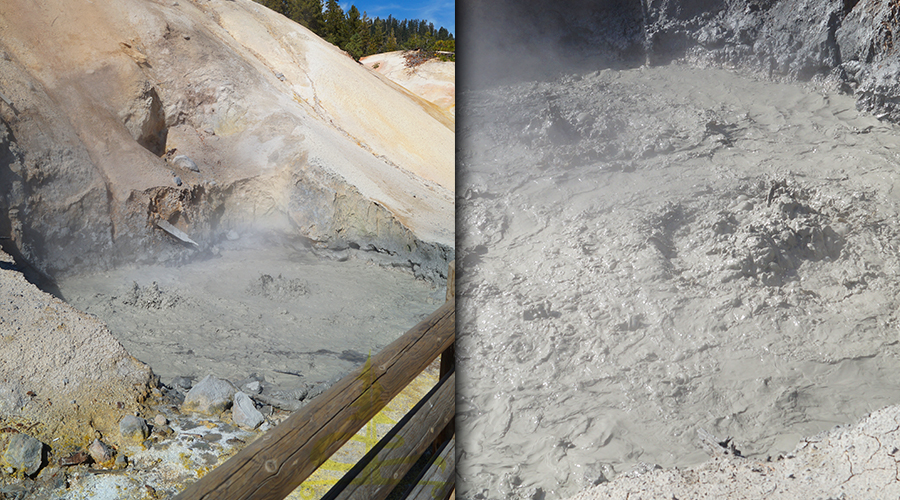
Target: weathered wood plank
x: 439, y: 481
x: 379, y: 472
x: 277, y: 462
x: 451, y: 280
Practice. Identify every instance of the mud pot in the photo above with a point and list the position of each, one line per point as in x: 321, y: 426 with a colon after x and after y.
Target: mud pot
x: 655, y: 251
x: 297, y: 318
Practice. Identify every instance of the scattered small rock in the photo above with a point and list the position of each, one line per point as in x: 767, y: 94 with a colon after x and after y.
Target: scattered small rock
x: 183, y: 161
x: 99, y: 452
x: 211, y: 437
x: 24, y: 454
x: 76, y: 458
x: 163, y: 430
x: 244, y: 412
x: 210, y: 396
x: 134, y: 428
x: 182, y: 383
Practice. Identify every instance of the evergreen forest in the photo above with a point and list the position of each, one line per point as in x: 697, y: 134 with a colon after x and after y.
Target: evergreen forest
x: 360, y: 35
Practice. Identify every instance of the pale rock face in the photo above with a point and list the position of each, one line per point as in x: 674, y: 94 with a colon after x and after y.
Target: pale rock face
x: 283, y: 130
x: 434, y: 80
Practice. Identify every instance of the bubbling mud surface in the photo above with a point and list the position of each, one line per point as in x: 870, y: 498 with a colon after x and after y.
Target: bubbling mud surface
x: 278, y: 310
x: 654, y: 251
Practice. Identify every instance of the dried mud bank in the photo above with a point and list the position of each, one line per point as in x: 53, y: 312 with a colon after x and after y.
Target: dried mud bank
x: 60, y: 237
x: 64, y: 375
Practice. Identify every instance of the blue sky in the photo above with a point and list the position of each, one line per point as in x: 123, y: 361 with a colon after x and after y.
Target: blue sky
x: 439, y: 12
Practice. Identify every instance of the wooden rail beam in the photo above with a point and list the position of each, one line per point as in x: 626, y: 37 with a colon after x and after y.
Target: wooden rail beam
x: 276, y: 463
x: 376, y: 475
x: 439, y: 481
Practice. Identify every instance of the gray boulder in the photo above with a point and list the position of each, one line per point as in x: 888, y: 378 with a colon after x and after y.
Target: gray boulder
x: 210, y: 396
x: 133, y: 428
x: 244, y: 412
x: 24, y: 454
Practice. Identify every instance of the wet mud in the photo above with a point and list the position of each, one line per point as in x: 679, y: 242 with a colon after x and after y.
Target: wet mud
x: 655, y: 251
x: 274, y: 311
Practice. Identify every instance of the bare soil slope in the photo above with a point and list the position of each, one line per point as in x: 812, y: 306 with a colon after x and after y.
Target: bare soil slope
x: 433, y: 80
x: 282, y: 127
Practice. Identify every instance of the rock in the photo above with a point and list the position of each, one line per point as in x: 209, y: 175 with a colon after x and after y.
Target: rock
x: 210, y: 396
x: 99, y: 452
x: 253, y: 387
x: 160, y: 420
x: 121, y: 461
x: 182, y: 383
x: 232, y: 235
x: 183, y: 161
x: 244, y: 412
x: 133, y: 428
x: 76, y: 458
x: 24, y: 454
x: 164, y: 431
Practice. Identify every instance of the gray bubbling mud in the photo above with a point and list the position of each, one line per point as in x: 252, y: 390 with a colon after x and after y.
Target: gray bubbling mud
x: 655, y: 251
x: 297, y: 319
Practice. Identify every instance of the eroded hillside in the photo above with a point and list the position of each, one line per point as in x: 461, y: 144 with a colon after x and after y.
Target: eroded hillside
x: 265, y: 125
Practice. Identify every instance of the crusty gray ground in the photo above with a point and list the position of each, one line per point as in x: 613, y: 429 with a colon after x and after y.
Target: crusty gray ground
x: 859, y: 461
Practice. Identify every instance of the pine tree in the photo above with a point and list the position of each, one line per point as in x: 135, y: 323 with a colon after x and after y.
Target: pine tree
x: 335, y: 29
x: 360, y: 35
x: 376, y: 42
x: 391, y: 44
x: 308, y: 13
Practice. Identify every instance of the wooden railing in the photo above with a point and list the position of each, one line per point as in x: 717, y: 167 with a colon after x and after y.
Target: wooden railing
x: 277, y: 462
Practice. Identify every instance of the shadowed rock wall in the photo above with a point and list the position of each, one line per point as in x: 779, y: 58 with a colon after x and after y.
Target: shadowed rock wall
x: 850, y: 45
